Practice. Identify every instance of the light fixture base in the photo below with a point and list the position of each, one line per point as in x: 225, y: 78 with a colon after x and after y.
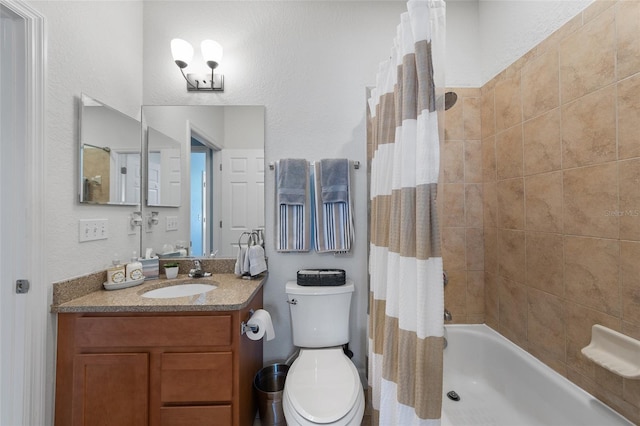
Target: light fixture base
x: 202, y: 82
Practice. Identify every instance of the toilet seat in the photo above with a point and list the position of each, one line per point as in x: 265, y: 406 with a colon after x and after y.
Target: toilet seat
x: 323, y: 387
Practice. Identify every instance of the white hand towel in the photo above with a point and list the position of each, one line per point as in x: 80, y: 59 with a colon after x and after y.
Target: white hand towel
x: 257, y: 262
x: 239, y: 267
x: 246, y: 265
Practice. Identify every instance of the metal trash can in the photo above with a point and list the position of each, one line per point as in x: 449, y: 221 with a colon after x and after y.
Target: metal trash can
x: 269, y: 386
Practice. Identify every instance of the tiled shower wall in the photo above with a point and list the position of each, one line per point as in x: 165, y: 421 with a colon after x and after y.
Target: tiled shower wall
x: 560, y: 133
x: 460, y: 211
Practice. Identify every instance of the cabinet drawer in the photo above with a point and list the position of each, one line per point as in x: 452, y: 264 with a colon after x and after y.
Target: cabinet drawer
x: 101, y: 332
x: 219, y: 415
x: 196, y: 377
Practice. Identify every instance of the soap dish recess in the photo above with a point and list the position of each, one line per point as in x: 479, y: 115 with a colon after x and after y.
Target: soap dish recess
x: 614, y: 351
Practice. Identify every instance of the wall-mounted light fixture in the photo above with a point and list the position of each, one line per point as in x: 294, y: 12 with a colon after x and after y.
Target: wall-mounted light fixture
x: 182, y: 52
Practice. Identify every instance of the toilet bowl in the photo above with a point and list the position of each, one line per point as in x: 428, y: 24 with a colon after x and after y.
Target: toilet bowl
x: 323, y: 387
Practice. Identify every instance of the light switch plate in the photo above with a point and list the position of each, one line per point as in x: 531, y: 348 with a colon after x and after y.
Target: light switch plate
x: 172, y: 223
x: 93, y: 229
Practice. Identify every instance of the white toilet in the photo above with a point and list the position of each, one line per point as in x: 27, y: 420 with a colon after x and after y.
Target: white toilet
x: 322, y: 385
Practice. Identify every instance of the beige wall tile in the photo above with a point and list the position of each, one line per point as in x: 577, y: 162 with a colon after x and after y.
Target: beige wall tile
x: 513, y: 309
x: 630, y: 270
x: 546, y: 323
x: 509, y: 162
x: 511, y: 203
x: 629, y: 116
x: 490, y: 204
x: 540, y: 85
x: 511, y: 255
x: 453, y: 212
x: 490, y: 236
x: 545, y: 262
x: 508, y: 104
x: 542, y: 141
x: 473, y: 204
x: 559, y: 365
x: 475, y: 293
x: 596, y: 8
x: 453, y: 249
x: 543, y: 195
x: 588, y: 58
x: 472, y: 120
x: 591, y: 200
x: 475, y: 249
x: 631, y: 391
x: 629, y: 187
x: 454, y: 123
x: 455, y: 293
x: 452, y: 161
x: 473, y: 161
x: 589, y: 129
x: 592, y: 273
x: 489, y: 159
x: 487, y: 113
x: 627, y: 29
x: 491, y: 298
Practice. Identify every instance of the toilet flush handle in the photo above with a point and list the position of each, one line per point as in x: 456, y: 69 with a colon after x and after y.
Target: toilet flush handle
x: 292, y: 301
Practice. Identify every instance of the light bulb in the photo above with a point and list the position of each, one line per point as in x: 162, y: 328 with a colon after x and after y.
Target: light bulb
x: 211, y: 52
x: 182, y: 52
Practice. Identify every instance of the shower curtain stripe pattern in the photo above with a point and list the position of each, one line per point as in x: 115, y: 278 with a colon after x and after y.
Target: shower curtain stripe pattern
x: 406, y: 297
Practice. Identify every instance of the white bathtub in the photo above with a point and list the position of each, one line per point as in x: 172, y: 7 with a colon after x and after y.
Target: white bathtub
x: 501, y: 384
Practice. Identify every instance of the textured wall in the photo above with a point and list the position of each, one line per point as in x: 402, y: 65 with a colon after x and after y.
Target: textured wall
x: 561, y: 169
x: 85, y: 54
x: 309, y: 64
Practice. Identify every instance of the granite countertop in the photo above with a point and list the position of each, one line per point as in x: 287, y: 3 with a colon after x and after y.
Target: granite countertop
x: 233, y: 293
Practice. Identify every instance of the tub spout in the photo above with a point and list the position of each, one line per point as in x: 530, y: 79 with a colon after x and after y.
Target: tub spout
x: 447, y: 315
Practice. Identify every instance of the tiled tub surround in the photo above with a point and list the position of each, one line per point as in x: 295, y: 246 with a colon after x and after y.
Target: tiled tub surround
x: 460, y: 211
x: 560, y: 133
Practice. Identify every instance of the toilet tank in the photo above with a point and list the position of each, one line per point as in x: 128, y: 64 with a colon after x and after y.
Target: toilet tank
x: 319, y: 315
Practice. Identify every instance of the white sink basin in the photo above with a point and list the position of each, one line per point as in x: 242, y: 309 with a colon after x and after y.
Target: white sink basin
x: 180, y: 290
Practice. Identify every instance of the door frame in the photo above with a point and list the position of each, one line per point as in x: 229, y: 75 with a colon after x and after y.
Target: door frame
x: 36, y: 402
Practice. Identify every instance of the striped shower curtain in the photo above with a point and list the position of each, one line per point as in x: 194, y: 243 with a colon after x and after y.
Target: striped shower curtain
x: 405, y: 265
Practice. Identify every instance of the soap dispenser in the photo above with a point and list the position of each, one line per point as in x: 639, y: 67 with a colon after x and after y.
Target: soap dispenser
x: 116, y: 272
x: 134, y: 269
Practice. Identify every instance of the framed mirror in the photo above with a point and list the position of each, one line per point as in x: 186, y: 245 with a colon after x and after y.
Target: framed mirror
x: 211, y: 159
x: 110, y: 155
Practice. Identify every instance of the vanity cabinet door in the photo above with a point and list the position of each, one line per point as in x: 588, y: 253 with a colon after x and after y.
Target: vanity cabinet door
x: 110, y: 389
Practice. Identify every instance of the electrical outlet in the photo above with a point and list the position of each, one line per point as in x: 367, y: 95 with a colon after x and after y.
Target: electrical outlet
x: 93, y: 229
x: 172, y: 223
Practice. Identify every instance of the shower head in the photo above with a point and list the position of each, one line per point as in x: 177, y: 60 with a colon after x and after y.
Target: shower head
x: 450, y: 99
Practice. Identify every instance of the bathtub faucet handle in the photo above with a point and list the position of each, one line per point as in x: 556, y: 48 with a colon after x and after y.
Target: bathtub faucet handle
x: 447, y: 315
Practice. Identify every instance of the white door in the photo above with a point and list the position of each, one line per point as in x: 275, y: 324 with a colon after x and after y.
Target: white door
x: 243, y: 192
x: 153, y: 179
x: 170, y: 176
x: 23, y: 317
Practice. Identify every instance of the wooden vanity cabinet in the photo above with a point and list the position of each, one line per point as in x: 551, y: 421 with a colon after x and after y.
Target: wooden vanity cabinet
x: 165, y: 369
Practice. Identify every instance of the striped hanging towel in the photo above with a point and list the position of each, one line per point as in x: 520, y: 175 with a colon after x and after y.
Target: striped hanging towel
x: 293, y: 203
x: 333, y: 217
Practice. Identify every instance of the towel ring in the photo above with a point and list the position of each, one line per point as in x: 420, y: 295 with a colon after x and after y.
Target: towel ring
x: 252, y: 238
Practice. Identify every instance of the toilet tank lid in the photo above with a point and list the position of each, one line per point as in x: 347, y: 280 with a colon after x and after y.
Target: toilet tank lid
x: 292, y: 287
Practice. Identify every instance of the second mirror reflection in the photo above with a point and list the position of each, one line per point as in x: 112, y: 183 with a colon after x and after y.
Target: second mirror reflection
x: 204, y: 176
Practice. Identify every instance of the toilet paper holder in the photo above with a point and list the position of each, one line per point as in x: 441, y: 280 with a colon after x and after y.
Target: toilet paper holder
x: 245, y: 327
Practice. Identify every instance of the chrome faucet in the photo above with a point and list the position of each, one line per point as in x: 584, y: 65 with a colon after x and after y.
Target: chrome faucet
x: 197, y: 271
x: 447, y: 315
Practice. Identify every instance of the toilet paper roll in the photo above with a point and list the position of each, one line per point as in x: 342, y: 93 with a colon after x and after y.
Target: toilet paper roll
x: 262, y: 320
